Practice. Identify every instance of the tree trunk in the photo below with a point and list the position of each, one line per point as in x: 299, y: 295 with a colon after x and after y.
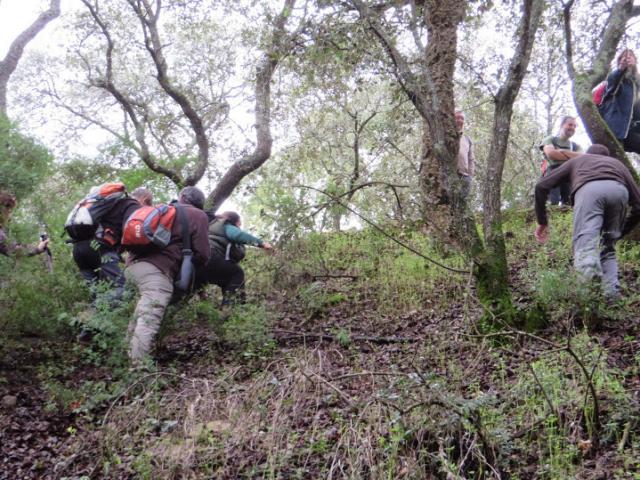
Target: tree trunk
x: 492, y: 268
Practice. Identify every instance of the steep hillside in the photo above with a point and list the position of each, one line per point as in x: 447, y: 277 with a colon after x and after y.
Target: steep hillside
x: 354, y: 358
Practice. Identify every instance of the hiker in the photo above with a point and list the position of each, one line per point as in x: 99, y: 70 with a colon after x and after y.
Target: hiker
x: 620, y: 107
x: 557, y: 149
x: 601, y: 187
x: 154, y: 269
x: 98, y: 258
x: 466, y: 157
x: 7, y: 204
x: 227, y: 242
x: 143, y: 196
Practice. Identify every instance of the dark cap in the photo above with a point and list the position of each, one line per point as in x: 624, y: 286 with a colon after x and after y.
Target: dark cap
x: 192, y: 196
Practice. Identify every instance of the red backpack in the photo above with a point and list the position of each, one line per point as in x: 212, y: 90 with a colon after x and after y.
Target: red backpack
x: 597, y: 93
x: 84, y: 220
x: 149, y: 226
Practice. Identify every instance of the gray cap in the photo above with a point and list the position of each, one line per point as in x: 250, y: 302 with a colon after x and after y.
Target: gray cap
x: 192, y: 196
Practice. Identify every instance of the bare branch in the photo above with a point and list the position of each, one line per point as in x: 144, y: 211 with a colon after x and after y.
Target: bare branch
x: 9, y: 63
x: 149, y: 22
x: 107, y: 83
x: 278, y: 48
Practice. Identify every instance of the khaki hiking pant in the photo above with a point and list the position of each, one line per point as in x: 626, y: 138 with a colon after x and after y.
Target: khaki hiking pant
x: 155, y: 290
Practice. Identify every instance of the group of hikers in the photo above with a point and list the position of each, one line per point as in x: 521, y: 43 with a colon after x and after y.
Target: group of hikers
x: 600, y: 188
x: 604, y: 195
x: 214, y: 244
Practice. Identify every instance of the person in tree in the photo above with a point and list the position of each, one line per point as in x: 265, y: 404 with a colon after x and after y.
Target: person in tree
x: 153, y: 272
x: 557, y: 149
x: 227, y: 243
x: 466, y: 157
x: 7, y: 248
x: 620, y: 107
x: 601, y: 187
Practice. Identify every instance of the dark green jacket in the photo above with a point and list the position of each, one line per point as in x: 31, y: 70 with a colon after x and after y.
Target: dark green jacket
x: 227, y: 241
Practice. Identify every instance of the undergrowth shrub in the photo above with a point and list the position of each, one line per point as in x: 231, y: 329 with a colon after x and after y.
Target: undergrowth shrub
x: 108, y: 320
x: 550, y: 398
x: 36, y: 302
x: 386, y: 274
x: 192, y: 310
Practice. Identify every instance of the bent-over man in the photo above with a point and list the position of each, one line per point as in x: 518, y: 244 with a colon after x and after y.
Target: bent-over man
x: 154, y: 270
x: 601, y: 188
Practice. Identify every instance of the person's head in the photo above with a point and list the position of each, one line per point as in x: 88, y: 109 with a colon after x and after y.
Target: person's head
x: 598, y: 149
x: 143, y: 195
x: 231, y: 217
x: 459, y: 120
x: 568, y: 126
x: 626, y: 58
x: 192, y: 196
x: 7, y: 203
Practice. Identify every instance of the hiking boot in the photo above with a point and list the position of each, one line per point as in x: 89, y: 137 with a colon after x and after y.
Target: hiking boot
x: 85, y: 337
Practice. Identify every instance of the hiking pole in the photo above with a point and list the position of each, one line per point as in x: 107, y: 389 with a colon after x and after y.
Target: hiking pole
x: 48, y: 259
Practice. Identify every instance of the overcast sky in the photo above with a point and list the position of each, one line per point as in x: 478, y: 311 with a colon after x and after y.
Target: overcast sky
x: 16, y: 15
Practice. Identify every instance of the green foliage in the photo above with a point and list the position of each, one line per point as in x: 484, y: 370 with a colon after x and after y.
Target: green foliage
x: 24, y: 163
x: 35, y: 302
x: 107, y: 319
x: 366, y: 266
x: 560, y: 384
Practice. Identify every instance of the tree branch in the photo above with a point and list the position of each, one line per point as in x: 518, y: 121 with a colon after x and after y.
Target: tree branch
x: 278, y: 48
x: 149, y: 22
x: 10, y: 62
x: 106, y: 83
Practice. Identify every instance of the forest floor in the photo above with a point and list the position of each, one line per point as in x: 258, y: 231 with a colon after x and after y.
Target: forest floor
x: 343, y: 375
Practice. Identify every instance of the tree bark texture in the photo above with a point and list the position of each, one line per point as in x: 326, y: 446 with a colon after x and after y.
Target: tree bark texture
x: 10, y: 62
x: 430, y: 88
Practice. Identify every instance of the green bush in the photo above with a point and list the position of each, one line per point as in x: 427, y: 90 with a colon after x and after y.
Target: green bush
x: 35, y: 302
x: 23, y: 162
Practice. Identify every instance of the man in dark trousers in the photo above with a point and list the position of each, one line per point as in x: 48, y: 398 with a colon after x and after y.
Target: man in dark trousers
x: 601, y: 189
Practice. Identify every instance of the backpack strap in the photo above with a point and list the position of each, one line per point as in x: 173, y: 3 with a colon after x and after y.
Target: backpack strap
x: 183, y: 283
x: 184, y: 224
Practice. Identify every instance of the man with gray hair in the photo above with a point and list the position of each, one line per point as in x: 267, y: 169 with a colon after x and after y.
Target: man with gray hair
x: 601, y: 187
x: 154, y: 270
x: 556, y: 150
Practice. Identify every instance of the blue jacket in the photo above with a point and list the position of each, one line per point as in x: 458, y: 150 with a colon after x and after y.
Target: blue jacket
x: 617, y: 103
